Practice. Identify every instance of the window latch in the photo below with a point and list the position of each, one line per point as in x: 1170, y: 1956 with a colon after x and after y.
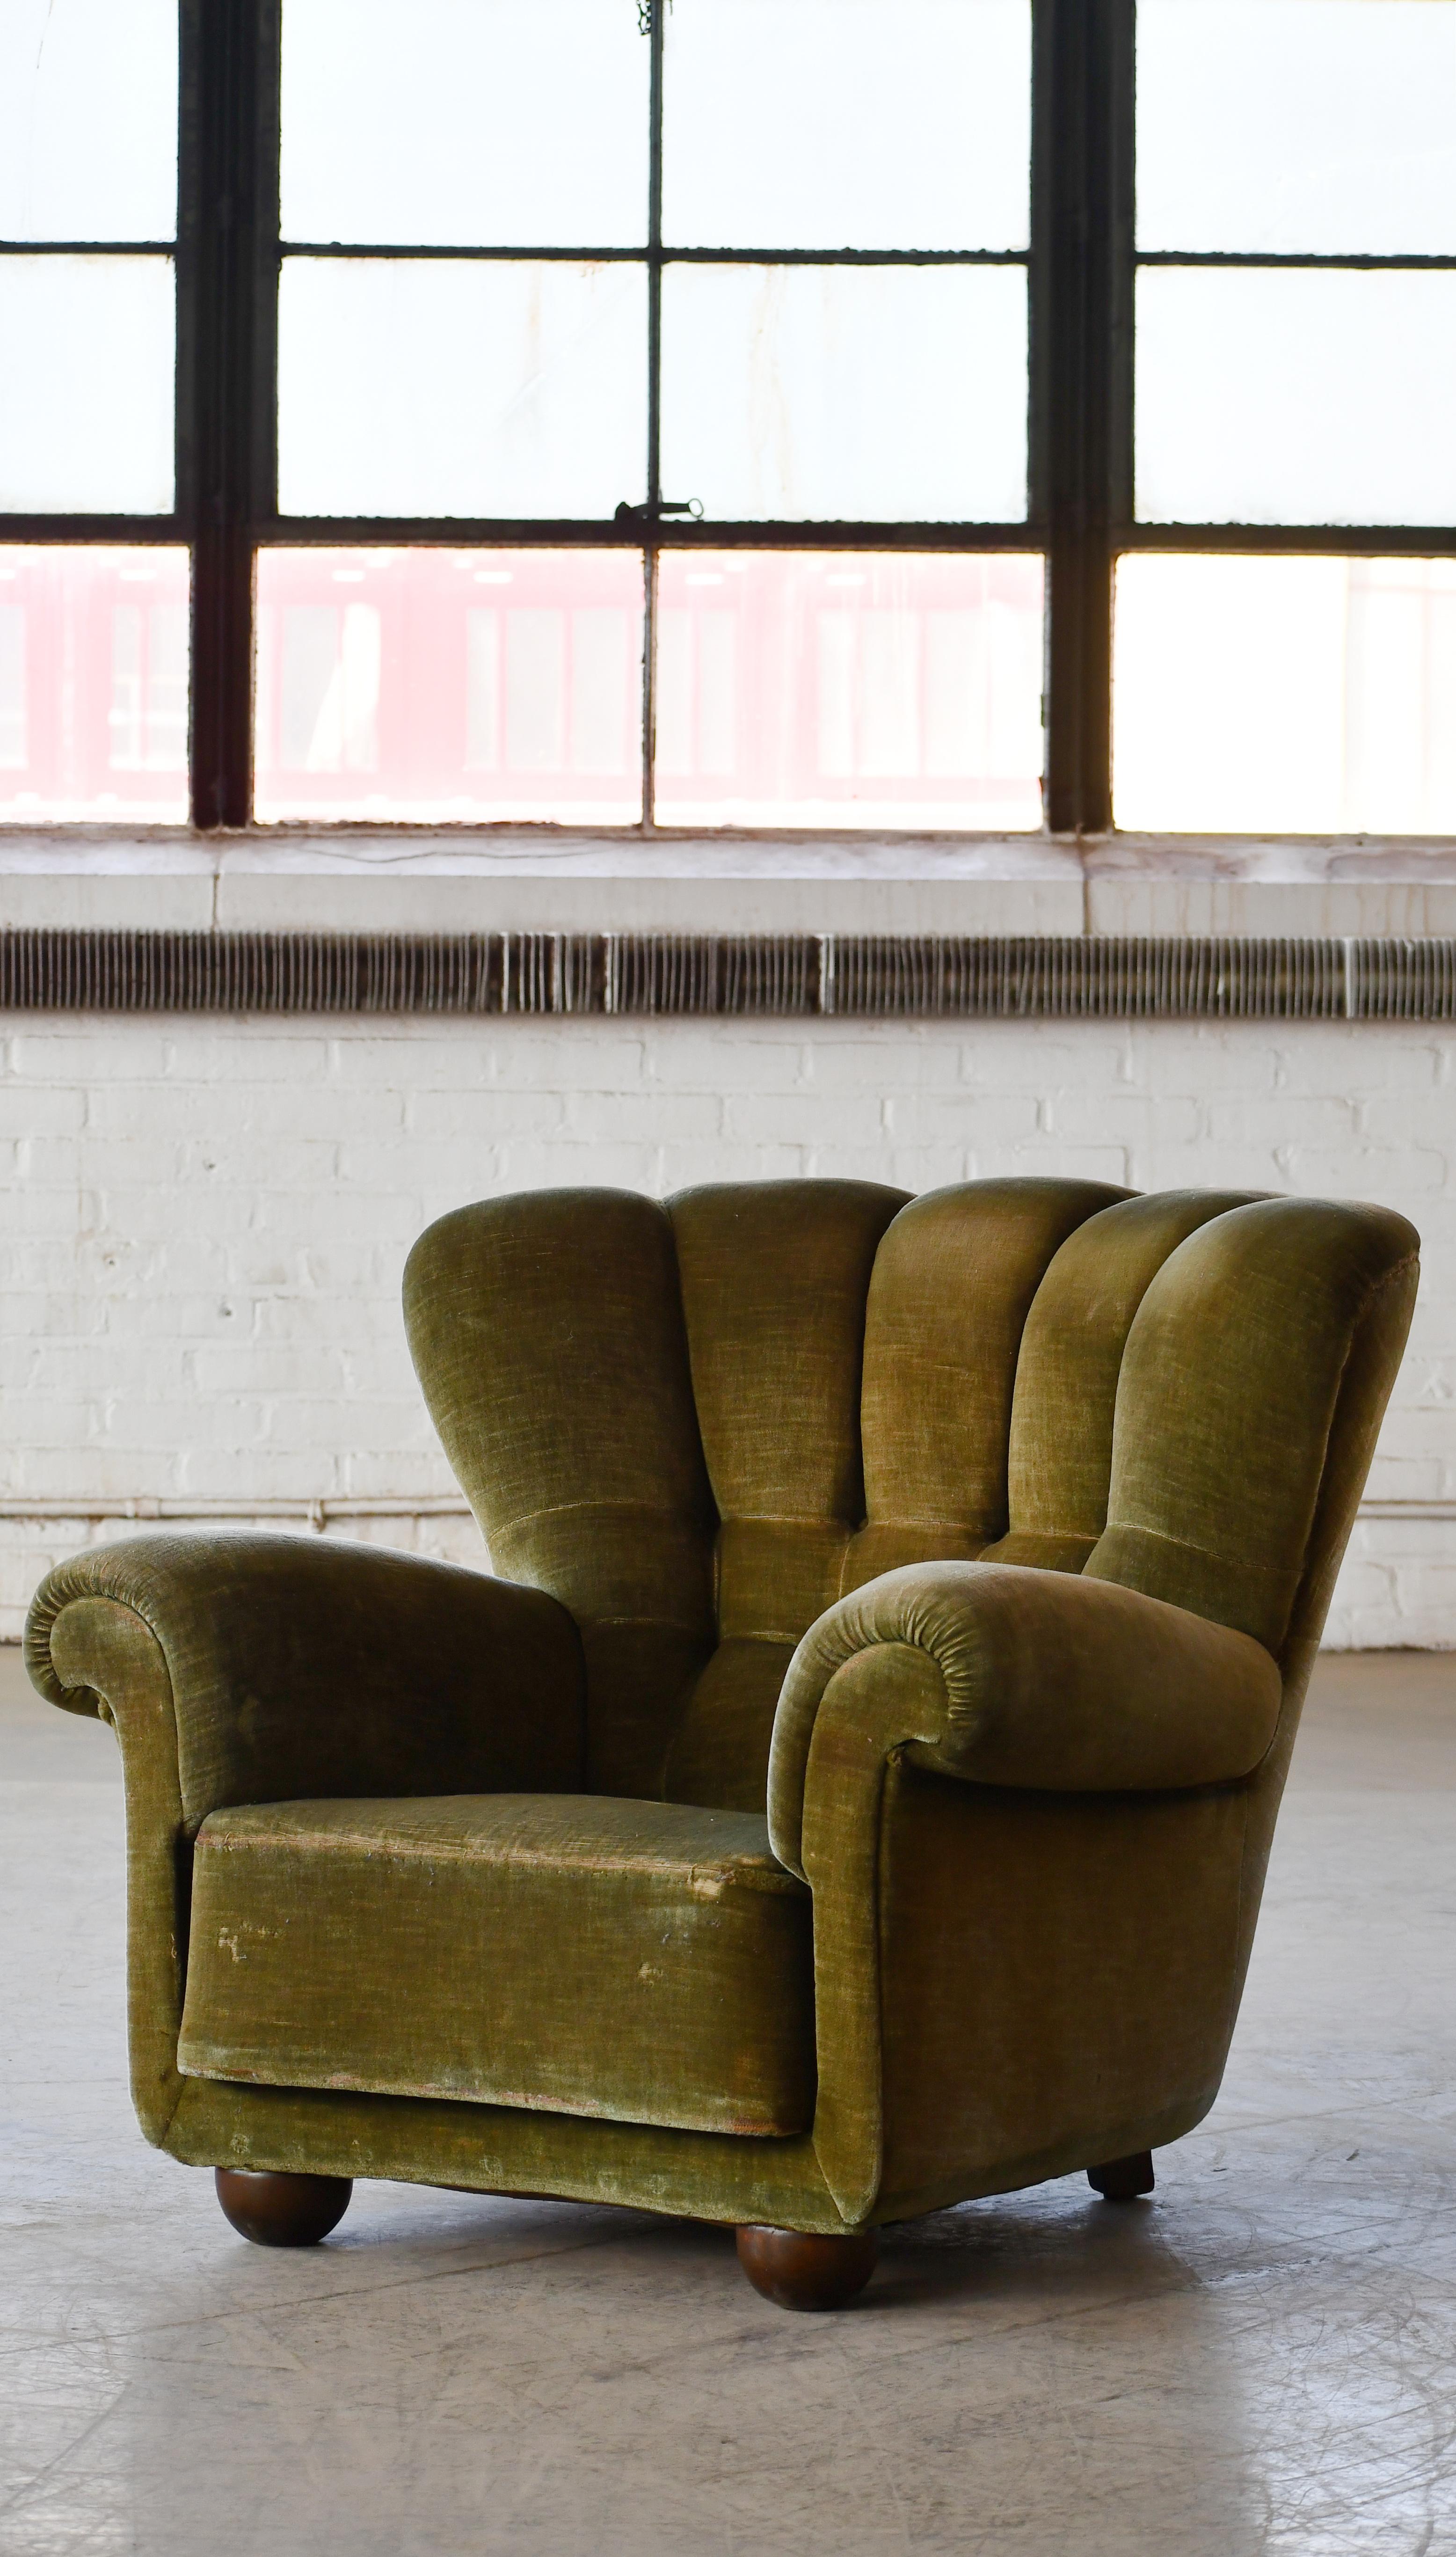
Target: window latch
x: 654, y: 508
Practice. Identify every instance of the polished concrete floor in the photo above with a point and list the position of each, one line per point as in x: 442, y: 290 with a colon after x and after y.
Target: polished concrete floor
x: 1264, y: 2359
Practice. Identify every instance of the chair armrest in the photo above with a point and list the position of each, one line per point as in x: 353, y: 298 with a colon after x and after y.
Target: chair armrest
x: 1040, y: 1681
x: 300, y: 1668
x: 245, y: 1669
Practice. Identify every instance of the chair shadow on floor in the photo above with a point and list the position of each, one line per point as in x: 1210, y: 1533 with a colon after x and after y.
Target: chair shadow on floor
x: 1057, y: 2247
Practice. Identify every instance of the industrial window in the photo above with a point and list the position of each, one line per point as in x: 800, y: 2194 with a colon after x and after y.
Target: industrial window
x: 826, y: 414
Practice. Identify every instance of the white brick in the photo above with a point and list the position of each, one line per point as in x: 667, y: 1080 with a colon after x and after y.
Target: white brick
x: 415, y: 1472
x: 414, y: 1059
x: 199, y: 1058
x: 1389, y: 1174
x: 684, y: 1167
x: 1049, y: 1159
x: 28, y: 1318
x: 892, y: 1061
x: 82, y: 1057
x: 1090, y: 1116
x: 481, y: 1113
x: 29, y: 1111
x: 543, y: 1164
x: 926, y: 1168
x: 568, y: 1057
x: 803, y: 1118
x: 250, y: 1368
x: 961, y: 1112
x: 1256, y: 1119
x: 693, y: 1062
x: 651, y: 1118
x: 1368, y: 1056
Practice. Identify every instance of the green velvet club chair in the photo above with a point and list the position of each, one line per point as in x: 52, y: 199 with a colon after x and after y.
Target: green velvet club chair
x: 855, y: 1792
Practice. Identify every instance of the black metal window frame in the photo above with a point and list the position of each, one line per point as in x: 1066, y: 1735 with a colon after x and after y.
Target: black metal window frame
x: 1082, y: 265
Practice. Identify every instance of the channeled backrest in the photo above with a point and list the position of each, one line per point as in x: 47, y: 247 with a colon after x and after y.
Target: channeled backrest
x: 699, y: 1425
x: 1059, y: 1456
x: 1249, y: 1373
x: 547, y: 1334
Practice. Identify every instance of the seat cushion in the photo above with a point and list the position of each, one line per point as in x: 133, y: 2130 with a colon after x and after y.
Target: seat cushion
x: 575, y: 1954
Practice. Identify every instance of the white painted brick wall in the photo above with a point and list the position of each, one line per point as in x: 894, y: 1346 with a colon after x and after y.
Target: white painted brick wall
x: 206, y: 1225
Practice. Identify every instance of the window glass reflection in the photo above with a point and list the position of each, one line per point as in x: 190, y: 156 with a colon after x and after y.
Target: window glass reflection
x: 847, y: 124
x: 1279, y: 396
x: 90, y: 343
x: 453, y: 388
x: 465, y: 123
x: 845, y: 394
x: 1286, y: 696
x: 88, y: 119
x: 849, y: 689
x: 449, y: 684
x: 93, y: 684
x: 1298, y: 125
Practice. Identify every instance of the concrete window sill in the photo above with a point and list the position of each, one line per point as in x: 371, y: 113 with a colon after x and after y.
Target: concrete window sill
x: 453, y: 880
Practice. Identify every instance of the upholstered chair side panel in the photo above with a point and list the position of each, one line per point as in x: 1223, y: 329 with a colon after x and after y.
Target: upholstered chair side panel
x: 953, y: 1280
x: 1024, y: 1692
x: 1055, y: 1978
x: 547, y: 1334
x: 1226, y: 1402
x: 1061, y: 1432
x: 97, y: 1656
x: 1007, y: 1985
x: 775, y: 1279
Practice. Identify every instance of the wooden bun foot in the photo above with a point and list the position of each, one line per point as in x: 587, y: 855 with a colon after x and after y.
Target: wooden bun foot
x: 282, y: 2210
x: 801, y: 2272
x: 1123, y: 2179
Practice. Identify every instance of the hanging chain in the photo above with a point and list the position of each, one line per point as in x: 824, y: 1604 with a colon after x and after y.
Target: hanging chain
x: 644, y: 15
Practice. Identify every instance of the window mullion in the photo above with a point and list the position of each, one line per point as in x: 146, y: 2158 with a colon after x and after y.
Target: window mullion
x: 656, y: 18
x: 227, y: 281
x: 1083, y: 190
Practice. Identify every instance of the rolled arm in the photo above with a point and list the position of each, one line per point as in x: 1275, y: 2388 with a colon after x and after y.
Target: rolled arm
x: 298, y: 1669
x: 998, y: 1674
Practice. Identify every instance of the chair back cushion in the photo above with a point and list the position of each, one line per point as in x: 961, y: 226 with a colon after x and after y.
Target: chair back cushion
x: 548, y: 1333
x: 1230, y: 1406
x: 700, y: 1423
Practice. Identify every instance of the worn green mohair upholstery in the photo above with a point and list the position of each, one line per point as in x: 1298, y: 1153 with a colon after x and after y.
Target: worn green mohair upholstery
x: 509, y: 1917
x: 854, y: 1794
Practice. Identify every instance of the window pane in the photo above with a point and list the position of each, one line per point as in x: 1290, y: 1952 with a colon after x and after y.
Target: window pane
x: 90, y: 358
x: 1297, y: 125
x: 1289, y: 397
x: 835, y: 688
x: 847, y: 124
x: 93, y: 684
x: 454, y: 389
x: 845, y: 394
x: 468, y: 123
x: 1289, y: 696
x: 88, y: 119
x: 440, y: 685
